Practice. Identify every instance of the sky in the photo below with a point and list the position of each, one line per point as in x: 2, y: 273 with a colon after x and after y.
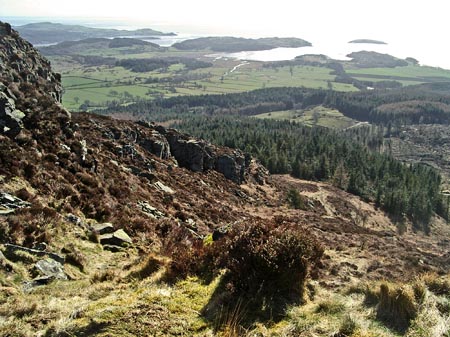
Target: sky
x: 418, y: 23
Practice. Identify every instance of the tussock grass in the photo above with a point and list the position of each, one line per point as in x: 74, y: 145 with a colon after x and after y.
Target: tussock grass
x: 330, y: 306
x: 397, y: 306
x: 438, y: 285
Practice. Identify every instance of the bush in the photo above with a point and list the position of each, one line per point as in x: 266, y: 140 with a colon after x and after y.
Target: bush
x: 268, y: 257
x: 187, y: 253
x: 261, y: 257
x: 296, y: 200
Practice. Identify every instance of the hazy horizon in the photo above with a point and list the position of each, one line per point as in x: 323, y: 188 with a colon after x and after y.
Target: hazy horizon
x: 415, y: 28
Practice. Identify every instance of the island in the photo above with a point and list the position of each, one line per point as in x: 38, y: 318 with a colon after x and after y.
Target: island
x: 49, y: 33
x: 367, y: 41
x: 236, y: 44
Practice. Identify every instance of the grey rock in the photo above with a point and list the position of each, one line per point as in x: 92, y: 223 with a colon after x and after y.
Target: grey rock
x: 74, y: 219
x: 36, y: 282
x: 156, y: 144
x: 51, y: 268
x: 232, y: 166
x: 200, y: 156
x: 103, y: 228
x: 10, y: 118
x: 150, y: 210
x: 191, y: 153
x: 166, y: 189
x: 12, y: 249
x: 10, y: 202
x: 118, y: 238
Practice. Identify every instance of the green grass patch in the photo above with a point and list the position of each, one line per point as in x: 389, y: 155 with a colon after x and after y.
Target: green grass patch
x: 316, y: 116
x: 412, y: 72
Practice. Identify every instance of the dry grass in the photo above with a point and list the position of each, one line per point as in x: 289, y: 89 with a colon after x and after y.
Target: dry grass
x: 397, y: 306
x: 151, y: 264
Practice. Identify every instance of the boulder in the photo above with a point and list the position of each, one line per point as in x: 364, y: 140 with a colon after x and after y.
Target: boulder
x: 166, y: 189
x: 10, y: 118
x: 193, y: 154
x: 11, y: 250
x: 150, y: 210
x: 50, y: 268
x: 75, y: 220
x: 118, y: 238
x: 103, y: 228
x: 232, y: 166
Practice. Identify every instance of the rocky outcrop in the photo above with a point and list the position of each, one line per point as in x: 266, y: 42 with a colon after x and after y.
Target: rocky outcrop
x: 199, y: 156
x: 195, y: 154
x: 232, y: 166
x: 25, y: 78
x: 156, y: 143
x: 9, y: 203
x: 10, y: 117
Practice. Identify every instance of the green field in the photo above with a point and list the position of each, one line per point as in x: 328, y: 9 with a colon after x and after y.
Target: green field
x: 97, y: 86
x: 408, y: 73
x: 100, y: 85
x: 316, y: 116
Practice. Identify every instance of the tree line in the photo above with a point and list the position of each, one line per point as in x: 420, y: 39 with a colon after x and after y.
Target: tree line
x: 426, y: 103
x: 403, y: 191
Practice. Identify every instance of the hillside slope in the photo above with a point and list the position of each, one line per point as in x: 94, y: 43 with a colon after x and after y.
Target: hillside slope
x: 48, y: 32
x: 110, y: 228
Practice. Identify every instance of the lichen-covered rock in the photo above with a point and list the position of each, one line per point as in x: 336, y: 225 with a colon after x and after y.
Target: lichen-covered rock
x: 50, y: 268
x: 10, y: 118
x: 118, y: 238
x: 150, y: 210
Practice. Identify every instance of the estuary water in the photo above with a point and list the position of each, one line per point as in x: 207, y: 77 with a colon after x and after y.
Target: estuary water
x: 429, y: 52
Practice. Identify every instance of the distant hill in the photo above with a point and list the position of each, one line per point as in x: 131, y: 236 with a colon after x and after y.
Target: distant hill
x: 369, y: 41
x: 48, y: 32
x: 235, y: 44
x: 74, y: 47
x: 371, y: 59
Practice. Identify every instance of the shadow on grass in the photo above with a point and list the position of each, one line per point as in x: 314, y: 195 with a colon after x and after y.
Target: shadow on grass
x: 235, y: 311
x: 92, y: 329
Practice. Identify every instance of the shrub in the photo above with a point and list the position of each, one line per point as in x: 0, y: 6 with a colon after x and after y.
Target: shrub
x: 296, y: 200
x: 188, y: 254
x: 266, y: 257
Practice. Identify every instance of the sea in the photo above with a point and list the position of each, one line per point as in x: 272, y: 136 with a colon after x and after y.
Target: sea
x: 335, y: 47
